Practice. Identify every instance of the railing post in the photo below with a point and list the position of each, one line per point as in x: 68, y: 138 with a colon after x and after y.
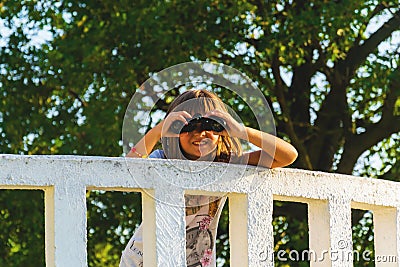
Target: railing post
x: 397, y: 229
x: 149, y: 228
x: 65, y: 224
x: 318, y: 225
x: 386, y: 242
x: 170, y: 226
x: 49, y: 224
x: 260, y: 230
x: 238, y: 229
x: 341, y: 244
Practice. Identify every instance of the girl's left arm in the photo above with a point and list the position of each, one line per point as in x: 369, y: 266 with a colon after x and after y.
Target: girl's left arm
x: 274, y: 152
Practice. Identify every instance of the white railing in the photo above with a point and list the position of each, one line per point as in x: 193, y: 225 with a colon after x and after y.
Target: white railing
x: 251, y: 192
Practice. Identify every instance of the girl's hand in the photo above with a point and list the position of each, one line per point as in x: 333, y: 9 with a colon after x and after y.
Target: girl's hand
x: 180, y: 116
x: 233, y: 128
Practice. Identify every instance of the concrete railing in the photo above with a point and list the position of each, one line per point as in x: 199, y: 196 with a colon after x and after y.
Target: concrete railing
x: 251, y: 192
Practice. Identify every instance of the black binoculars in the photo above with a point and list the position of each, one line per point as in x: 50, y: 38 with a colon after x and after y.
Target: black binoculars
x: 215, y: 124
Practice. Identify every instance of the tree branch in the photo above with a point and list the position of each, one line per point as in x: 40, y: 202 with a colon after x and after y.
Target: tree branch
x: 389, y: 123
x: 378, y: 8
x: 339, y: 78
x: 279, y: 89
x: 359, y: 53
x: 76, y: 95
x: 331, y: 117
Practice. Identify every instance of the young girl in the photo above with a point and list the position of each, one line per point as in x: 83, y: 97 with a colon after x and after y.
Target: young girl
x: 197, y: 126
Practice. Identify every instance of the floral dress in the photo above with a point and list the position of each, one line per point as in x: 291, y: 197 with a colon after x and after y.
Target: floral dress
x: 202, y: 216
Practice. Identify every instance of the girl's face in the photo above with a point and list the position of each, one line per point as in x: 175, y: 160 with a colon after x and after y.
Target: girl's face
x: 198, y: 144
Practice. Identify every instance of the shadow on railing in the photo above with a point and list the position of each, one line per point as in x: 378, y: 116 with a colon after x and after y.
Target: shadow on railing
x: 330, y: 198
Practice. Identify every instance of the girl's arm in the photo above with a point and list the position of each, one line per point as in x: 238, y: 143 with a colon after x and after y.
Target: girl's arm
x: 274, y: 152
x: 147, y: 143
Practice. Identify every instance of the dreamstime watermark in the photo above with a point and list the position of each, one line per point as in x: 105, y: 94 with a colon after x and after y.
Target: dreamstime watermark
x: 342, y: 254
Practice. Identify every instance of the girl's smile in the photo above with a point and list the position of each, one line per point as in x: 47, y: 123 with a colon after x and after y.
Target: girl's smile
x: 198, y: 144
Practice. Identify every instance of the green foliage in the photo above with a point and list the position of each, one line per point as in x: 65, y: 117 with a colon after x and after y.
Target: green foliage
x: 363, y: 232
x: 112, y: 219
x: 328, y: 68
x: 22, y: 228
x: 291, y: 238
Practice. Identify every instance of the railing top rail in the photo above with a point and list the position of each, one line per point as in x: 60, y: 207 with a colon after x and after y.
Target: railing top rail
x: 118, y: 173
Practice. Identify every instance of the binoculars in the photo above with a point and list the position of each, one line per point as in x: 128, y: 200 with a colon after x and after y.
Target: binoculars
x: 204, y: 124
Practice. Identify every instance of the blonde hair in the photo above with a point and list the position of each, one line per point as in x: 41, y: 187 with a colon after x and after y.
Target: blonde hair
x: 201, y: 101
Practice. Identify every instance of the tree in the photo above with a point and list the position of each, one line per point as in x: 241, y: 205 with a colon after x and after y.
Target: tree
x: 330, y: 70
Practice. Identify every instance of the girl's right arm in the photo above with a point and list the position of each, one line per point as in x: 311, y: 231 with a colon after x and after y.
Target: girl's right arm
x: 147, y: 143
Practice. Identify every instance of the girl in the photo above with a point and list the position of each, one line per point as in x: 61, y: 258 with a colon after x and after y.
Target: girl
x: 197, y: 126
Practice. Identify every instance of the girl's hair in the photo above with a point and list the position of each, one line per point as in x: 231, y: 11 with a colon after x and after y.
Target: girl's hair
x: 201, y: 101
